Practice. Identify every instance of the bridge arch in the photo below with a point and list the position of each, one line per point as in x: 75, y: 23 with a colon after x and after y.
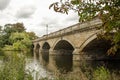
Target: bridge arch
x: 92, y: 43
x: 45, y: 51
x: 37, y: 47
x: 88, y: 40
x: 63, y: 39
x: 46, y: 46
x: 37, y: 50
x: 63, y: 45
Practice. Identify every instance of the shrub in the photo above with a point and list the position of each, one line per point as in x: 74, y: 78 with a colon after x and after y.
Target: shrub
x: 101, y: 73
x: 14, y: 68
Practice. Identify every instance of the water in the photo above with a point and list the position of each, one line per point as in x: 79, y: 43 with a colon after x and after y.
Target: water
x: 46, y: 65
x: 38, y: 71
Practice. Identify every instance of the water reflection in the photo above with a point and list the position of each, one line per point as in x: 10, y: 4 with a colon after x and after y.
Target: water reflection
x: 38, y: 71
x: 36, y: 54
x: 65, y: 63
x: 45, y: 65
x: 56, y: 62
x: 45, y: 57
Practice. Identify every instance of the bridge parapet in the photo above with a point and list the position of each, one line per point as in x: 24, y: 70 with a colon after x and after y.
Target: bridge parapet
x: 77, y: 27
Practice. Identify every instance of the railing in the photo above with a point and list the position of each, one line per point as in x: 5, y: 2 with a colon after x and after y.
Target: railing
x: 79, y: 26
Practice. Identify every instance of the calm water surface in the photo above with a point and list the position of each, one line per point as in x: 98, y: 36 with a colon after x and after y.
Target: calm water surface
x: 44, y: 65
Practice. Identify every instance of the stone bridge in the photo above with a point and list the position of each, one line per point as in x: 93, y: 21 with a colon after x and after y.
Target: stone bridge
x: 73, y: 38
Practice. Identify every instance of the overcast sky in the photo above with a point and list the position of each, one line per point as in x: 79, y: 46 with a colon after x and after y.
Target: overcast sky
x: 35, y: 14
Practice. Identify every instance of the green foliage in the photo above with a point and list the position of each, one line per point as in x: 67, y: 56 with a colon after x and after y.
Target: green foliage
x: 1, y: 42
x: 7, y: 47
x: 7, y: 31
x: 32, y: 35
x: 101, y: 73
x: 75, y: 2
x: 14, y: 68
x: 21, y: 41
x: 107, y: 10
x: 17, y: 27
x: 14, y: 37
x: 19, y: 46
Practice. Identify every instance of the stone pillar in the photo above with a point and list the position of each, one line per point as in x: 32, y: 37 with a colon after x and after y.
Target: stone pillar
x: 34, y: 47
x: 34, y: 54
x: 76, y: 54
x: 51, y: 51
x: 40, y: 50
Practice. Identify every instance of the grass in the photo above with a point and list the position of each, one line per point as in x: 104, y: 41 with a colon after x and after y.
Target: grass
x: 13, y: 68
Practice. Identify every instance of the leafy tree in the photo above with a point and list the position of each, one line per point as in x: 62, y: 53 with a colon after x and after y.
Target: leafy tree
x: 19, y: 46
x: 18, y: 27
x: 32, y: 35
x: 107, y: 10
x: 17, y: 37
x: 11, y: 28
x: 14, y: 37
x: 20, y: 41
x: 1, y: 40
x: 0, y: 30
x: 8, y: 31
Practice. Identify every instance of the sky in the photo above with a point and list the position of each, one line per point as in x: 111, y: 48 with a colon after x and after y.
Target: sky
x: 35, y: 15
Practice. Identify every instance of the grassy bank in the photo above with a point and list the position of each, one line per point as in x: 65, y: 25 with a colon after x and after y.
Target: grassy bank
x: 13, y: 68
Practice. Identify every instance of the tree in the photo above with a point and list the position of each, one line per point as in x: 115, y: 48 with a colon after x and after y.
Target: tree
x: 32, y: 35
x: 20, y: 41
x: 19, y: 27
x: 11, y: 28
x: 0, y: 30
x: 14, y: 37
x: 107, y: 10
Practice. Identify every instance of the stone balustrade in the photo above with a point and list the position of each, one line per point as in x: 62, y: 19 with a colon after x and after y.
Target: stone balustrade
x: 77, y: 27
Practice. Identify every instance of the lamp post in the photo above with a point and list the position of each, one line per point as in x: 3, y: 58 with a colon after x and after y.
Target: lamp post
x: 47, y: 29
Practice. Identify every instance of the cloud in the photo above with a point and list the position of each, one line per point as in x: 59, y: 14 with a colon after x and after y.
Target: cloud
x: 72, y: 17
x: 25, y: 11
x: 4, y: 4
x: 49, y: 21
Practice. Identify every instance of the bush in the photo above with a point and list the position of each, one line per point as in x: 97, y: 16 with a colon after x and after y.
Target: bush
x: 14, y: 68
x: 101, y: 73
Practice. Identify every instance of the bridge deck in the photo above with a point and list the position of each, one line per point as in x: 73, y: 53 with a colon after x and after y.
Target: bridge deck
x: 77, y: 27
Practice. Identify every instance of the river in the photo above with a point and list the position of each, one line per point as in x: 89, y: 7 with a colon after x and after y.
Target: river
x: 45, y: 65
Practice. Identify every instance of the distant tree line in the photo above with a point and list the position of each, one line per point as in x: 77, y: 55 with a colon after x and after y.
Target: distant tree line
x: 15, y: 37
